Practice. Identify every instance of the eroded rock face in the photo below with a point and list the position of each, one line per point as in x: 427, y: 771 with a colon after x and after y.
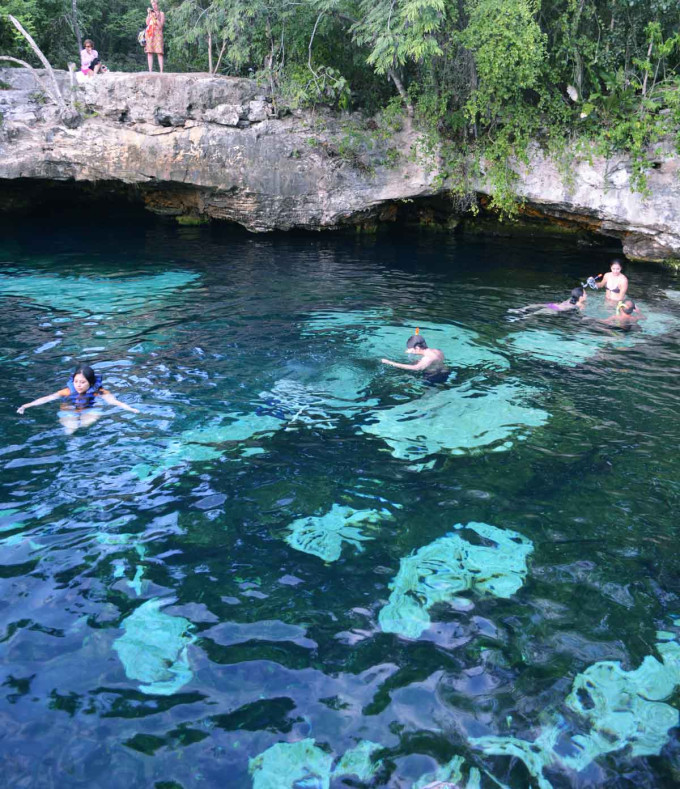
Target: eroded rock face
x: 214, y: 146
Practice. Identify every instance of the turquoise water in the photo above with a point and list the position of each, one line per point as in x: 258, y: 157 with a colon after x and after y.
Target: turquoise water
x: 299, y: 567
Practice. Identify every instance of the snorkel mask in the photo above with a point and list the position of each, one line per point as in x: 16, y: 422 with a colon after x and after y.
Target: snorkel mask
x: 591, y: 282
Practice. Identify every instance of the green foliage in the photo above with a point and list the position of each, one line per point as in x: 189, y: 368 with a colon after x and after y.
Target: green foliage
x: 300, y: 87
x: 481, y: 78
x: 400, y: 30
x: 509, y: 52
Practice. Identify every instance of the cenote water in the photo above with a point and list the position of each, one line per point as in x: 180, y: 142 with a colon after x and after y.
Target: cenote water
x: 297, y: 567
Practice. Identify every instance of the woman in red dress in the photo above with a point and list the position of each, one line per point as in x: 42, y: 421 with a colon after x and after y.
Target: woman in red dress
x: 155, y: 22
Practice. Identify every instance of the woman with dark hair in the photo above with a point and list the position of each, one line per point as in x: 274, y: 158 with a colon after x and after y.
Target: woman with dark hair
x: 615, y: 283
x: 576, y: 301
x: 80, y: 395
x: 89, y: 58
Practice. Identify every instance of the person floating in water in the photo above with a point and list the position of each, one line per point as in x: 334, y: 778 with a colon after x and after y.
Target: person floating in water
x: 577, y: 301
x: 614, y: 282
x: 627, y: 315
x: 432, y: 360
x: 80, y: 395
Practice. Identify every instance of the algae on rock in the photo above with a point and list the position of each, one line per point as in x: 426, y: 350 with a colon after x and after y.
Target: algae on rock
x: 323, y: 536
x: 457, y: 420
x: 154, y: 649
x: 438, y: 572
x: 622, y: 709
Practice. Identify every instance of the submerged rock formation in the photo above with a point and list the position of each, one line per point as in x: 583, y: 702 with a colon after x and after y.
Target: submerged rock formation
x: 208, y: 146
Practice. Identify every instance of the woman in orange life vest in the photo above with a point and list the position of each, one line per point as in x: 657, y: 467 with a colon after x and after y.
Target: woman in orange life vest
x: 80, y: 395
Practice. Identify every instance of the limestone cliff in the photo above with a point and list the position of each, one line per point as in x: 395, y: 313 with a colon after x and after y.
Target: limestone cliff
x: 195, y: 144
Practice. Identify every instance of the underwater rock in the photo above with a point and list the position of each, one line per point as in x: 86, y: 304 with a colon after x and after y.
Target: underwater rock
x: 85, y: 296
x: 456, y: 420
x: 439, y: 571
x: 154, y: 649
x: 623, y: 709
x: 552, y: 346
x: 368, y: 333
x: 358, y: 761
x: 289, y: 765
x: 449, y: 775
x: 200, y: 444
x: 576, y: 348
x: 323, y: 536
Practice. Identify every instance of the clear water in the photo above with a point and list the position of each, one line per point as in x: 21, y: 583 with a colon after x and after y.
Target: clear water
x: 299, y: 565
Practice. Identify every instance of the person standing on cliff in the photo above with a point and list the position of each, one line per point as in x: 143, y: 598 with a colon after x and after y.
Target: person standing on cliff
x: 155, y: 22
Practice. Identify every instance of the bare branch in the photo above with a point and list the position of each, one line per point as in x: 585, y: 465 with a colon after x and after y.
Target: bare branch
x: 311, y: 41
x: 219, y: 59
x: 55, y: 92
x: 37, y: 76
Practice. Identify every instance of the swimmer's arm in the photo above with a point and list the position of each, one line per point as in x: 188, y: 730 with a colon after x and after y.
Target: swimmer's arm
x: 603, y: 281
x: 42, y: 400
x: 107, y: 397
x: 623, y: 289
x: 421, y: 365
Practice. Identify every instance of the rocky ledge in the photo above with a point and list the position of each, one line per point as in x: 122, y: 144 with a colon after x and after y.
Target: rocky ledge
x: 206, y: 146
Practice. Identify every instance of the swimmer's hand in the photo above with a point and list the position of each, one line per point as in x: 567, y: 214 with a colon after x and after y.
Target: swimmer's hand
x: 21, y: 409
x: 386, y: 361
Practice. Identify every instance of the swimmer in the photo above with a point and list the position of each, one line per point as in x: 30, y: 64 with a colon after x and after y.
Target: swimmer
x: 80, y: 394
x: 577, y: 301
x: 432, y: 359
x: 615, y: 283
x: 627, y: 315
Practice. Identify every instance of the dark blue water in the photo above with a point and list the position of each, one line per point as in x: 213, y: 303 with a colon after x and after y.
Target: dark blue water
x: 293, y: 544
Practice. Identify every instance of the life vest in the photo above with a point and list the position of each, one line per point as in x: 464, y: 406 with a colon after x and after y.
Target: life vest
x: 86, y: 399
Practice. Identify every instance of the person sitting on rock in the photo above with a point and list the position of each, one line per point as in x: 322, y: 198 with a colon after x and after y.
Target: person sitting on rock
x: 89, y: 59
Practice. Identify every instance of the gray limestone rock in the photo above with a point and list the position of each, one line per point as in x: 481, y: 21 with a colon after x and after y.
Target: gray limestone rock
x: 225, y: 114
x: 211, y: 146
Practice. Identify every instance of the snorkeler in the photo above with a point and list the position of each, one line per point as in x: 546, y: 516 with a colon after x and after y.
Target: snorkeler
x: 80, y: 393
x: 432, y: 359
x: 627, y: 315
x: 577, y: 301
x: 614, y: 282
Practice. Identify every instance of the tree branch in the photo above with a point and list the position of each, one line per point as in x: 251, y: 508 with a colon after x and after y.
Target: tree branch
x: 392, y: 74
x: 55, y: 92
x: 309, y: 49
x: 37, y: 76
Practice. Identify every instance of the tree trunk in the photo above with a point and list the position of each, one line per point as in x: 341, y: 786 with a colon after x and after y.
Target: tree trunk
x: 76, y: 26
x: 219, y: 59
x: 210, y: 63
x: 402, y: 91
x: 55, y: 92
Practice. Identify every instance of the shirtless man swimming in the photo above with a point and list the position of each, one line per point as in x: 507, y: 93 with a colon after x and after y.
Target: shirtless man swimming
x: 432, y: 360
